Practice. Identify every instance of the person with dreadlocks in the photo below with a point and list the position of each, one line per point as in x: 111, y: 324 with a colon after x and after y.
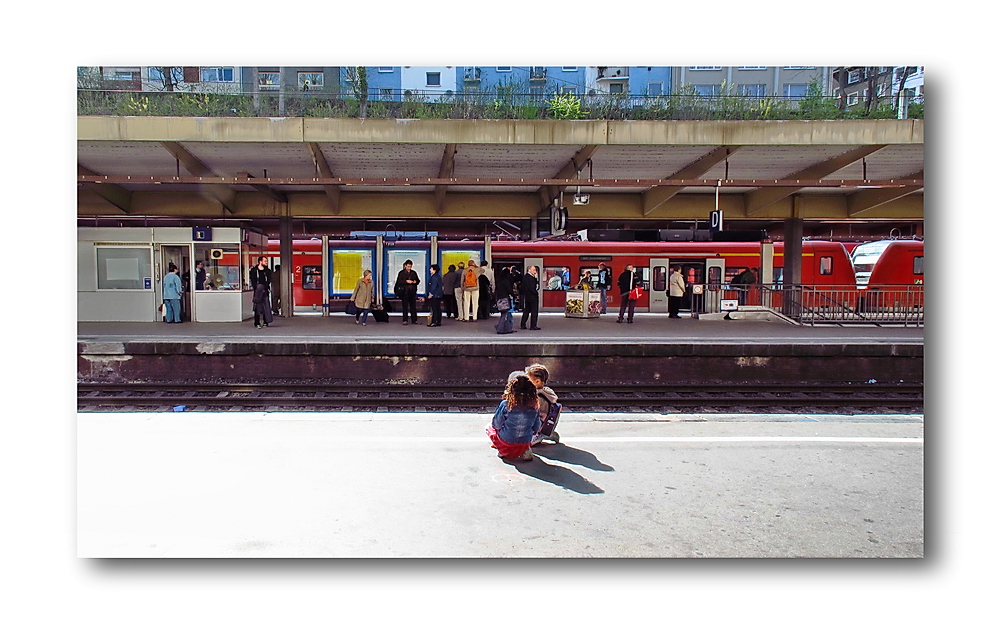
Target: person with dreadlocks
x: 516, y: 419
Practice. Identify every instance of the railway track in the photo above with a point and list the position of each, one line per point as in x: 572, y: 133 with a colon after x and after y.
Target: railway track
x: 431, y: 397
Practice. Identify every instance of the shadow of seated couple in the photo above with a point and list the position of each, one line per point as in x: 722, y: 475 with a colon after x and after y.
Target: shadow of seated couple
x: 560, y: 475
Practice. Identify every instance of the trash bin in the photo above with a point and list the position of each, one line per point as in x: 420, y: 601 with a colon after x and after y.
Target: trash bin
x: 583, y: 303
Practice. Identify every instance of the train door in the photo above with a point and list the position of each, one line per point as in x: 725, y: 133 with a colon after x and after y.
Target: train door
x: 715, y: 272
x: 179, y: 255
x: 658, y: 287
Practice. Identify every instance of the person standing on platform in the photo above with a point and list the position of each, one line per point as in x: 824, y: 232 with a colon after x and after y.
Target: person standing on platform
x: 199, y: 276
x: 677, y: 288
x: 435, y: 291
x: 627, y: 281
x: 460, y: 291
x: 486, y: 296
x: 448, y: 281
x: 604, y: 283
x: 470, y: 291
x: 260, y: 283
x: 516, y: 420
x: 529, y: 298
x: 363, y: 297
x: 505, y: 297
x: 406, y: 290
x: 173, y: 288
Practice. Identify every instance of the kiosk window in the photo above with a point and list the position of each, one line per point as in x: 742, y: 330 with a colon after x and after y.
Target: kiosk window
x: 123, y: 267
x: 222, y: 265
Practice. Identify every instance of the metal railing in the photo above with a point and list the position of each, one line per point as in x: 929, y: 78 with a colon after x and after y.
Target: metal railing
x: 829, y: 304
x: 397, y: 103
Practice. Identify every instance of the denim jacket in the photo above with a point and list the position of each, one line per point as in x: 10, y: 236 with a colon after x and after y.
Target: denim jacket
x: 516, y: 426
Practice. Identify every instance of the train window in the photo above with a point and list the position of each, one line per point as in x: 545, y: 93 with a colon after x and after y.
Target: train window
x: 713, y: 274
x: 659, y: 278
x: 825, y: 265
x: 778, y: 274
x: 556, y: 278
x: 312, y: 277
x: 918, y: 265
x: 732, y: 272
x: 123, y: 267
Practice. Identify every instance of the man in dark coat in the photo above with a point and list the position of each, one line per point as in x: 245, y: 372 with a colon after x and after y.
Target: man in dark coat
x: 627, y: 281
x: 529, y: 298
x: 406, y: 290
x: 260, y: 282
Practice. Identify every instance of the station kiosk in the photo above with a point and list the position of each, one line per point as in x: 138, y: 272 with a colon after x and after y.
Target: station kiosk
x: 583, y: 303
x: 120, y: 272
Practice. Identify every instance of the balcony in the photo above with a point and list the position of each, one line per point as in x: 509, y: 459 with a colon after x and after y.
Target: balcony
x: 537, y: 74
x: 472, y: 75
x: 612, y: 73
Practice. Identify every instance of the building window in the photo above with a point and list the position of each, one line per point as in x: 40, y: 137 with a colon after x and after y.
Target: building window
x: 176, y: 75
x: 569, y: 69
x: 616, y: 87
x: 571, y: 90
x: 433, y: 79
x: 536, y: 91
x: 795, y: 91
x: 216, y: 74
x: 752, y: 67
x: 852, y: 99
x: 752, y: 91
x: 385, y: 70
x: 704, y: 68
x: 269, y: 81
x: 123, y: 75
x: 854, y: 76
x: 706, y: 90
x: 385, y: 93
x: 313, y: 79
x: 655, y: 88
x: 799, y: 67
x: 506, y: 68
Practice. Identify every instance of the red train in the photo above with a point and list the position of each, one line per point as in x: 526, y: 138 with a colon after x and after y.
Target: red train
x: 826, y: 266
x: 714, y: 264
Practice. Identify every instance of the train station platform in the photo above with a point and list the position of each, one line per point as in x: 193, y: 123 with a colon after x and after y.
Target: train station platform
x: 652, y: 348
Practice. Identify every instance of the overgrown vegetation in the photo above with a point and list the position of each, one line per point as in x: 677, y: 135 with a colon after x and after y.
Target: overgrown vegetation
x: 507, y: 100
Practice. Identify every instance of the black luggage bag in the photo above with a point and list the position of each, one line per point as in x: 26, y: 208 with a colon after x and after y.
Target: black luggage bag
x: 380, y: 315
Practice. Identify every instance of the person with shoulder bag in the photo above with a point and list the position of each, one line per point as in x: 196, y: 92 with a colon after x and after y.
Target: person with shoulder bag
x: 363, y: 297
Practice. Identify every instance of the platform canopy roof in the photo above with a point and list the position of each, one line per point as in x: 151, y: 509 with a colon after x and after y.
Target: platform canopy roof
x: 501, y: 169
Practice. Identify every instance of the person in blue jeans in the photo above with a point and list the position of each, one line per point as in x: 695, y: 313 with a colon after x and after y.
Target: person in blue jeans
x: 172, y: 289
x: 435, y: 292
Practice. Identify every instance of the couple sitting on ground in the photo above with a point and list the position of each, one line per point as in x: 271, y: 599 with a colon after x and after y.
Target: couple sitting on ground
x: 520, y: 415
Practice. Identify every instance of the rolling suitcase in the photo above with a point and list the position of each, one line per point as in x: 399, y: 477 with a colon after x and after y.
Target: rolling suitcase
x: 505, y: 325
x: 380, y: 315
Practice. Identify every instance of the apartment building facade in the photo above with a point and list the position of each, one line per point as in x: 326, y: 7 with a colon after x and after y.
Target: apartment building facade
x: 752, y: 81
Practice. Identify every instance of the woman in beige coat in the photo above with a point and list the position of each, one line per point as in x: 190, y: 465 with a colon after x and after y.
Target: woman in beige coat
x: 363, y: 297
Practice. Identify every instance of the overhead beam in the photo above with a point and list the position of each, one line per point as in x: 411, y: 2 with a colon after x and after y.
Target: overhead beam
x: 447, y: 170
x: 225, y: 195
x: 115, y: 194
x: 866, y: 199
x: 275, y: 195
x: 658, y: 196
x: 548, y: 193
x: 609, y: 183
x: 757, y: 200
x: 323, y: 169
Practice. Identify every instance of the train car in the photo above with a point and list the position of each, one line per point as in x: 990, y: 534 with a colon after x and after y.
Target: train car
x: 307, y: 272
x: 825, y: 265
x: 894, y: 282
